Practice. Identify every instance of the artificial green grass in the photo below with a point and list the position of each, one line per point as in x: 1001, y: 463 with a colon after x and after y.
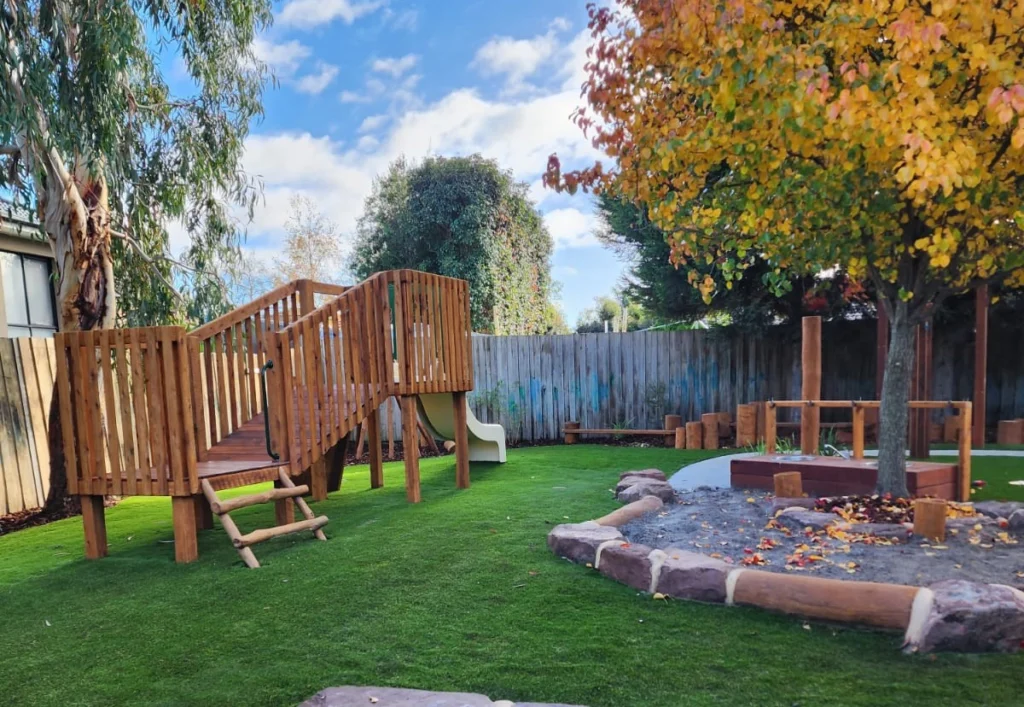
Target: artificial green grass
x: 457, y: 593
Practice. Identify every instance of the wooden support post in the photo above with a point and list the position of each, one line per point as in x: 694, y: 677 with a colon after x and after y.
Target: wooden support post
x: 183, y: 513
x: 571, y: 438
x: 788, y: 484
x: 930, y: 518
x: 461, y: 422
x: 284, y: 509
x: 361, y: 443
x: 680, y: 438
x: 769, y: 428
x: 964, y: 446
x: 306, y: 304
x: 881, y: 349
x: 95, y: 525
x: 762, y: 410
x: 920, y: 389
x: 709, y: 421
x: 951, y: 428
x: 746, y: 425
x: 425, y: 436
x: 671, y: 423
x: 318, y: 480
x: 204, y: 514
x: 376, y: 460
x: 859, y: 415
x: 411, y: 451
x: 979, y: 401
x: 1010, y: 432
x: 810, y: 385
x: 694, y: 435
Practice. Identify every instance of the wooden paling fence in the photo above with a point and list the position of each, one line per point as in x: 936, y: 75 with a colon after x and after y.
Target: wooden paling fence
x: 26, y: 390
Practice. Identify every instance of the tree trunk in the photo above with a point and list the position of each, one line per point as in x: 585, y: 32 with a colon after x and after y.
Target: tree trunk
x: 893, y: 417
x: 77, y: 220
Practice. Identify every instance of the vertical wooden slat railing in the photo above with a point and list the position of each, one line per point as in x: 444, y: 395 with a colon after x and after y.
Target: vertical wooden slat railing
x: 432, y: 333
x: 328, y: 372
x: 126, y: 409
x: 226, y: 356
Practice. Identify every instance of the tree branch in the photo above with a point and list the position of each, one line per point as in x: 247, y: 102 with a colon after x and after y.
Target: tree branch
x: 10, y: 150
x: 152, y: 261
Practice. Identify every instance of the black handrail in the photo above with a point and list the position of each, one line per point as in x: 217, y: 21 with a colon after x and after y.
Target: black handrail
x: 266, y: 415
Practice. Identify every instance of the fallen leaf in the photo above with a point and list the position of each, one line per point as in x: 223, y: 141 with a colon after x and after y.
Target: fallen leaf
x: 750, y: 499
x: 807, y: 626
x: 660, y: 596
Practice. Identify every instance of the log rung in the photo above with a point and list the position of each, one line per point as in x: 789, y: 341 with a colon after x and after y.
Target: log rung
x: 258, y: 536
x: 277, y: 494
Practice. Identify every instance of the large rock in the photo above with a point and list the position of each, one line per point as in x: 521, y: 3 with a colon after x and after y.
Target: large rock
x: 998, y: 509
x: 890, y: 531
x: 691, y: 575
x: 969, y: 617
x: 627, y: 563
x: 657, y: 474
x: 798, y: 519
x: 781, y: 504
x: 645, y: 487
x: 399, y: 697
x: 579, y: 541
x: 1017, y: 522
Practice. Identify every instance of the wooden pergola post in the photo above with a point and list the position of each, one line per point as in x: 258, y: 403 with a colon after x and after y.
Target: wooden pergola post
x: 810, y: 386
x: 981, y: 300
x: 410, y: 449
x: 95, y: 526
x: 920, y: 389
x: 372, y: 427
x: 461, y: 417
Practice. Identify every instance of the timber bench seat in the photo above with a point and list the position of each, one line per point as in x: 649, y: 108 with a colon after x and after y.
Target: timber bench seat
x: 269, y: 392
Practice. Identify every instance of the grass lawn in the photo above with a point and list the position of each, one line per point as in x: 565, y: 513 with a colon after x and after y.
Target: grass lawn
x: 457, y: 593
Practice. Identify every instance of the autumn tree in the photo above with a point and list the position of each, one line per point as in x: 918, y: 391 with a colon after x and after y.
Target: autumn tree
x: 882, y: 137
x: 95, y: 141
x: 313, y: 248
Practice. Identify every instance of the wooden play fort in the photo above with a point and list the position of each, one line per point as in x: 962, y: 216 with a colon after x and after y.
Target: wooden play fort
x: 268, y: 392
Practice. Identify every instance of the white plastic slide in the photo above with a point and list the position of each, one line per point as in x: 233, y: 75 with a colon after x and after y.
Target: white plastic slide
x: 486, y: 442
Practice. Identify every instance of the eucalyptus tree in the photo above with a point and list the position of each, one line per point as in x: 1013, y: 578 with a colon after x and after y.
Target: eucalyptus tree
x: 93, y: 137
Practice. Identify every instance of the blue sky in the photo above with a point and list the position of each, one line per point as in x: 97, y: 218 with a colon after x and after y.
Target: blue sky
x: 364, y: 81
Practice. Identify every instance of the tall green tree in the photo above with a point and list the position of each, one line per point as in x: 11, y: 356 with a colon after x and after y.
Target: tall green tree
x: 463, y: 217
x: 93, y: 138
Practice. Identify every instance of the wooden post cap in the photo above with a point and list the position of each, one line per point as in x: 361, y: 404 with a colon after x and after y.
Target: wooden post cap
x: 788, y: 484
x: 930, y: 518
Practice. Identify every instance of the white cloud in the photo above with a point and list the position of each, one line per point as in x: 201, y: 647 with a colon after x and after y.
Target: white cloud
x: 315, y: 83
x: 564, y: 271
x: 395, y: 66
x: 372, y: 122
x: 520, y: 133
x: 571, y: 228
x: 517, y: 59
x: 284, y: 58
x: 354, y: 97
x: 560, y: 24
x: 408, y: 20
x: 305, y: 14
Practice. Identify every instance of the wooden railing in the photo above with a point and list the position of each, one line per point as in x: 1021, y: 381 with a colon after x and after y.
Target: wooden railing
x: 860, y: 407
x: 432, y: 333
x: 126, y: 412
x: 330, y: 368
x: 227, y: 353
x: 397, y: 333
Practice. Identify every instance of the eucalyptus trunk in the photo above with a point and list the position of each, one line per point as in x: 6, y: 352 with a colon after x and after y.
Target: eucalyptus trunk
x: 894, y: 415
x: 76, y: 218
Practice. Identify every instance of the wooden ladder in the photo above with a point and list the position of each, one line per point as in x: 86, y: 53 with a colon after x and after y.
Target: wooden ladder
x: 286, y: 490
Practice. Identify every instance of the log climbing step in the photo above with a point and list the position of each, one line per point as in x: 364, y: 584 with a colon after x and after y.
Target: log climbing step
x: 287, y: 490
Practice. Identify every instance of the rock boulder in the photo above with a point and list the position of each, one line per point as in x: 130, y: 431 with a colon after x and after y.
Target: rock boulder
x: 579, y: 541
x: 691, y: 575
x: 969, y: 617
x: 629, y: 492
